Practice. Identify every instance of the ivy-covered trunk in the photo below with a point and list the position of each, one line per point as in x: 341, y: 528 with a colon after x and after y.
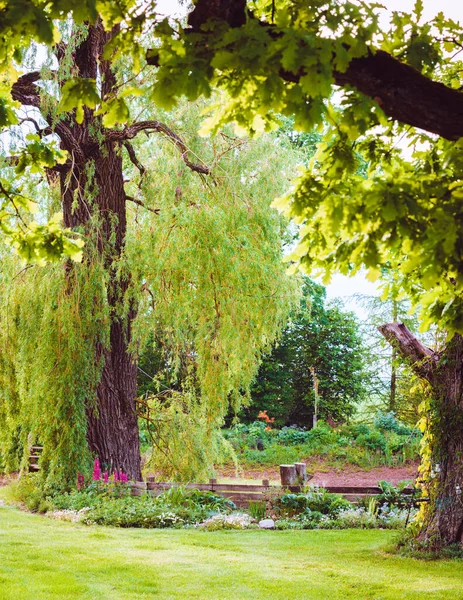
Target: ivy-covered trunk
x: 442, y: 469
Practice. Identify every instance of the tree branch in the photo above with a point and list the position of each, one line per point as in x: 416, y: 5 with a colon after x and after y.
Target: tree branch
x: 133, y: 158
x: 25, y: 90
x: 156, y: 126
x: 403, y: 93
x: 41, y: 132
x: 156, y: 211
x: 423, y: 360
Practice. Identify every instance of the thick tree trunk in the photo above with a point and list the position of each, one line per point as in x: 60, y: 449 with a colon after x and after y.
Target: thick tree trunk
x: 112, y: 430
x: 444, y: 373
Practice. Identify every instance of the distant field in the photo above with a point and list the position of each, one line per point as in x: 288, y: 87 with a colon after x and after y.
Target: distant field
x: 41, y: 559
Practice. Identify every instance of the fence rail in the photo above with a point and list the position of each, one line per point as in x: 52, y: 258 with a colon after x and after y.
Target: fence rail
x: 242, y: 494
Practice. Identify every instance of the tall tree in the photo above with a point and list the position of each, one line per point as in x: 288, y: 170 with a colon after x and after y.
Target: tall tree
x: 320, y: 337
x: 200, y: 263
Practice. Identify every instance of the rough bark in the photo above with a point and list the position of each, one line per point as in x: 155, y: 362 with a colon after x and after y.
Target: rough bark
x: 444, y: 373
x: 403, y: 93
x: 112, y: 424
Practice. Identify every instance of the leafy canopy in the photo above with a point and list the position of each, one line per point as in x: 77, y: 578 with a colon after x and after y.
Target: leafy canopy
x: 286, y: 58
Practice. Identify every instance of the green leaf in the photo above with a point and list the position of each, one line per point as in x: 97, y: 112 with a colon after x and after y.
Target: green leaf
x: 114, y: 111
x: 77, y: 93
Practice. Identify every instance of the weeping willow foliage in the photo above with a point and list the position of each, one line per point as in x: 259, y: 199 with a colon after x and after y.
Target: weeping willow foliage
x: 54, y: 324
x: 215, y: 289
x: 208, y: 280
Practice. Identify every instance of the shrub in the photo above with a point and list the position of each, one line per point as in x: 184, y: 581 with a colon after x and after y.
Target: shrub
x: 374, y: 441
x: 321, y: 435
x: 107, y: 505
x: 392, y: 495
x: 290, y: 436
x: 388, y: 422
x: 360, y: 429
x: 28, y: 490
x: 316, y: 500
x: 143, y: 512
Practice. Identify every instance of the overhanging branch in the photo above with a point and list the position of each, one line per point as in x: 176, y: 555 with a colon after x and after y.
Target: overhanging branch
x: 422, y: 359
x: 404, y: 94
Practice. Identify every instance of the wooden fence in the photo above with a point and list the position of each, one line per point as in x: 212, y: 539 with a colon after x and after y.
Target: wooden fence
x: 242, y: 494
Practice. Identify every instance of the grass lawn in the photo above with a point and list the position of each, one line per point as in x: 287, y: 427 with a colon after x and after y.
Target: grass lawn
x: 45, y: 559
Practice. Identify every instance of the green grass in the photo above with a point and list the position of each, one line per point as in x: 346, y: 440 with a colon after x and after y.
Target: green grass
x: 42, y: 559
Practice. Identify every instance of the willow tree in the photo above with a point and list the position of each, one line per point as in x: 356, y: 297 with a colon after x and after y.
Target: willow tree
x: 197, y: 258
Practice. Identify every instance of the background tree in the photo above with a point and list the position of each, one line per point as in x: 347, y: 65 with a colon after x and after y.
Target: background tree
x: 323, y: 337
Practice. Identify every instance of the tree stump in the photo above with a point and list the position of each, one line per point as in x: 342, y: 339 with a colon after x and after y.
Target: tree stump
x: 288, y: 475
x: 301, y: 473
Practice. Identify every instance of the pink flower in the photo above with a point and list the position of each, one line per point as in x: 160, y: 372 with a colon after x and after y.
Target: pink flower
x: 123, y: 477
x: 116, y: 476
x: 106, y: 477
x: 96, y: 470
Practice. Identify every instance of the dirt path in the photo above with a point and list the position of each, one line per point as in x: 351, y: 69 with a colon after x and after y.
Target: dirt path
x: 349, y: 476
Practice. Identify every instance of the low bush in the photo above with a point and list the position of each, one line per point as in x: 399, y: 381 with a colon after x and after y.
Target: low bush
x: 28, y: 491
x: 315, y: 500
x: 143, y: 512
x: 291, y: 436
x: 392, y: 495
x: 111, y: 504
x: 373, y: 441
x: 352, y: 517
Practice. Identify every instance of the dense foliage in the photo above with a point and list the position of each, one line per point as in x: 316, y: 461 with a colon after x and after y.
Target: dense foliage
x: 386, y: 442
x: 400, y: 81
x: 322, y: 337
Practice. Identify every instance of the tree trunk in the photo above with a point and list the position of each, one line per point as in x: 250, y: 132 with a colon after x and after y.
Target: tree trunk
x: 393, y: 390
x: 444, y: 372
x: 112, y: 427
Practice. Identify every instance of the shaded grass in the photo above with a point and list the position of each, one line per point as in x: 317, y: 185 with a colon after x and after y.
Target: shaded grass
x: 42, y: 559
